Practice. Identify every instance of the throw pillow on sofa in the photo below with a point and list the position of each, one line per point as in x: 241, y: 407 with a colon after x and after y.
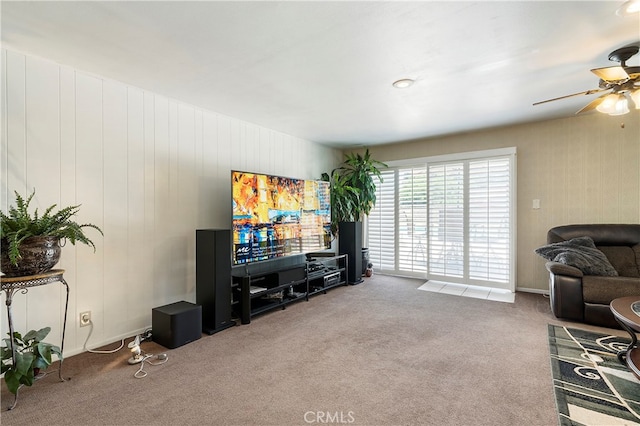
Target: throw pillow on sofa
x: 580, y: 252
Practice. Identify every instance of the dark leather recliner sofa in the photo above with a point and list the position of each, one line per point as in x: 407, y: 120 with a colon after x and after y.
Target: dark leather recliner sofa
x: 585, y: 298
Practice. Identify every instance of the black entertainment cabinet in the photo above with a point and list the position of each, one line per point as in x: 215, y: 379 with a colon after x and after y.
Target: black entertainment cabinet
x: 276, y: 286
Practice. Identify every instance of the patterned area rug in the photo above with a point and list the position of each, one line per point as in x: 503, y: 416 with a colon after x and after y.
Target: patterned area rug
x: 592, y: 387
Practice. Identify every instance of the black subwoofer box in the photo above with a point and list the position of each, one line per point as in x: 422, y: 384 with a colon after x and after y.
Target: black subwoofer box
x: 176, y: 324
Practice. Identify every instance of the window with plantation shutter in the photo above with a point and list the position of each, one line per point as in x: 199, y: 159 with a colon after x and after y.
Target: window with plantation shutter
x: 446, y: 219
x: 381, y: 227
x: 489, y: 219
x: 412, y: 219
x: 449, y: 219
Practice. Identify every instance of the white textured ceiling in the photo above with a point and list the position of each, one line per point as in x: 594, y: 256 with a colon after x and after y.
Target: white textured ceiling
x: 322, y: 71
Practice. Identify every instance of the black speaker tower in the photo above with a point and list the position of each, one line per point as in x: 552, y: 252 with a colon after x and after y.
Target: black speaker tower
x: 350, y: 243
x: 213, y: 278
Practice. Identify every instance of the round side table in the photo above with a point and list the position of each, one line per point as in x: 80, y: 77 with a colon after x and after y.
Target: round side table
x: 623, y: 311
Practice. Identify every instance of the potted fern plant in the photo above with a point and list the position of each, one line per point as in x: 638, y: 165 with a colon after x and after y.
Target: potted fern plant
x: 353, y: 195
x: 30, y: 244
x: 23, y: 358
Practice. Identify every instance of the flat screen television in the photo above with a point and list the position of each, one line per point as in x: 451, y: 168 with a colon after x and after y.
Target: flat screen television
x: 276, y: 216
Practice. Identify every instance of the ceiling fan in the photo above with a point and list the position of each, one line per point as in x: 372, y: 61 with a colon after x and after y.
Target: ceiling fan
x: 622, y: 83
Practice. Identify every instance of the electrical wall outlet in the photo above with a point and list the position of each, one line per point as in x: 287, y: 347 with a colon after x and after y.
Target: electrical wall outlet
x: 85, y: 318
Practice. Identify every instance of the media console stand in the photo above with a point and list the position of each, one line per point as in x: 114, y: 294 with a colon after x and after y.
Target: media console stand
x: 277, y: 287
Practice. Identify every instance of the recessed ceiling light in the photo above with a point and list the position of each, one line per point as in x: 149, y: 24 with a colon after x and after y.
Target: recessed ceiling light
x: 403, y: 83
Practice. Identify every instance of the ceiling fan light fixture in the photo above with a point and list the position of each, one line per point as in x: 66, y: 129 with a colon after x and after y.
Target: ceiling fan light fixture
x: 614, y: 104
x: 608, y: 103
x: 621, y: 107
x: 628, y: 8
x: 403, y: 83
x: 621, y: 80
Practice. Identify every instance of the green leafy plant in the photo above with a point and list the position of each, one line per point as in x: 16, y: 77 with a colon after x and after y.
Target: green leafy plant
x: 353, y: 188
x: 18, y: 224
x: 31, y: 356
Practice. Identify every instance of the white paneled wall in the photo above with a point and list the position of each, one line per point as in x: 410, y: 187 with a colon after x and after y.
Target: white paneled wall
x: 147, y: 169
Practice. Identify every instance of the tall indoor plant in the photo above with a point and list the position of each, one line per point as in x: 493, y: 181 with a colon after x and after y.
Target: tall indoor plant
x: 353, y: 188
x: 30, y: 243
x: 353, y: 195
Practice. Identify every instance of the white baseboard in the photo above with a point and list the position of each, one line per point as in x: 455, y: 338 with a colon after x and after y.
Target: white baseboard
x: 532, y: 290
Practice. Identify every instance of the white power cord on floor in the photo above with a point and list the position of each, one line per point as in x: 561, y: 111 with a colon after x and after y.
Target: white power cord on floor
x: 93, y: 351
x: 162, y: 358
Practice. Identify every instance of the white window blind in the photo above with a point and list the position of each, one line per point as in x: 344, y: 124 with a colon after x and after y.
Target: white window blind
x: 489, y: 220
x: 446, y: 219
x: 381, y: 224
x: 412, y: 226
x: 450, y: 220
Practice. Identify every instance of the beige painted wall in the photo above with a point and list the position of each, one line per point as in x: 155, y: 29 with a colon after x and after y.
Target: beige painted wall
x: 583, y: 169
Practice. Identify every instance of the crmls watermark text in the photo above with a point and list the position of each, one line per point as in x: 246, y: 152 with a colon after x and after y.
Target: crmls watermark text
x: 329, y: 417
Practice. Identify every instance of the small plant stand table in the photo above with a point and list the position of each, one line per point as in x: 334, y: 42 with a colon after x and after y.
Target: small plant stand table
x: 12, y: 284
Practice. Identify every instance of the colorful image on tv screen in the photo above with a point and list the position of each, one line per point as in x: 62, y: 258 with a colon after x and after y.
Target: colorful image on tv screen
x: 276, y: 216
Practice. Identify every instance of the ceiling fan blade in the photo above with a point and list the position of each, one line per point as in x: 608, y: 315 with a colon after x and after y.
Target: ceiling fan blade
x: 586, y: 92
x: 611, y: 74
x: 634, y: 72
x: 593, y: 104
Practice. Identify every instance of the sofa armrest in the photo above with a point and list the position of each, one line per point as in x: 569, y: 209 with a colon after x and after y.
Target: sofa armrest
x: 565, y: 292
x: 558, y: 268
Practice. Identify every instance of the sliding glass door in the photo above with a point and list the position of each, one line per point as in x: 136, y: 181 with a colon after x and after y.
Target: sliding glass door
x: 447, y: 219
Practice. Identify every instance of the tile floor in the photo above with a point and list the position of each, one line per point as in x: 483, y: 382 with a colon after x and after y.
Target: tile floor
x: 469, y: 291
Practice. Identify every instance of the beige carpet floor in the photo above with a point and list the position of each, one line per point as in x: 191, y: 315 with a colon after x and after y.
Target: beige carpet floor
x: 379, y: 353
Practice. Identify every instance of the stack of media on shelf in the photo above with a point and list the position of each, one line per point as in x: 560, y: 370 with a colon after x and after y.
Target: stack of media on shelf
x: 325, y: 270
